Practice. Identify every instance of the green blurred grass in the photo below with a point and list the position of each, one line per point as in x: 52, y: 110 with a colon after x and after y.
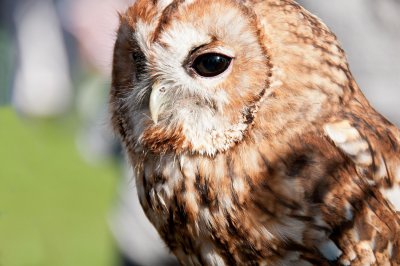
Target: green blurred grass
x: 53, y: 206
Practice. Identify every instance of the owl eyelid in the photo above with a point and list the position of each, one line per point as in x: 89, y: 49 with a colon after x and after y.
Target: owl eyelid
x: 190, y: 62
x: 200, y: 48
x: 212, y: 50
x: 211, y: 47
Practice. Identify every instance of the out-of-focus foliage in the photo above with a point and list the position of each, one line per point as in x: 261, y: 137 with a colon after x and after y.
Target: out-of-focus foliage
x: 53, y: 206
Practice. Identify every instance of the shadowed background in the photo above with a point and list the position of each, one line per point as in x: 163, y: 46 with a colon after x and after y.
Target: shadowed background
x: 66, y: 197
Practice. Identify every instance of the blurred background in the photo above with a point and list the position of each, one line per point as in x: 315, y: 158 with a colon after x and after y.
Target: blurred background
x: 66, y: 194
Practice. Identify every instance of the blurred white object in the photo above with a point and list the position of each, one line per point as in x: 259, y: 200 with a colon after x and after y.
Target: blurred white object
x: 42, y: 83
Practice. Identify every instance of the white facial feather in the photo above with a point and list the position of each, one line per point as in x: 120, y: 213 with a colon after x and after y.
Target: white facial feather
x: 143, y: 35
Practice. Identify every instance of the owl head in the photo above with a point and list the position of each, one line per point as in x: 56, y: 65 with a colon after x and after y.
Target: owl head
x: 191, y: 76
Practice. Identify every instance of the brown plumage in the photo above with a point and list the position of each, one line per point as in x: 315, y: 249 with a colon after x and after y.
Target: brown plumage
x: 251, y: 142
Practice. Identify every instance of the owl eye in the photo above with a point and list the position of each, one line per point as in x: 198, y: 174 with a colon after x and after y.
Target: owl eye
x: 211, y: 64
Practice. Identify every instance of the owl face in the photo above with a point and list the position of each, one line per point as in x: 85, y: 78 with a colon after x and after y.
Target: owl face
x: 189, y: 75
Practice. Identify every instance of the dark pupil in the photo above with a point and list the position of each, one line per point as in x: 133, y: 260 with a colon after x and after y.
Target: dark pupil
x: 210, y: 65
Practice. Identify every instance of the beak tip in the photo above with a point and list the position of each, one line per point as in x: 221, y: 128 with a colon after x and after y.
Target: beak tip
x: 155, y: 103
x: 155, y: 120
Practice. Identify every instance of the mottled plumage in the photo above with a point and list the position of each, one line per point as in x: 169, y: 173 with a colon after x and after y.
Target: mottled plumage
x: 278, y: 160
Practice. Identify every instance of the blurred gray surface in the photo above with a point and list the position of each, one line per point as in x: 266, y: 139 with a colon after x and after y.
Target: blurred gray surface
x: 369, y: 31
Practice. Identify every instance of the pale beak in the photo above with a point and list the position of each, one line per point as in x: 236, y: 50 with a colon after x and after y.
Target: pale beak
x: 156, y: 100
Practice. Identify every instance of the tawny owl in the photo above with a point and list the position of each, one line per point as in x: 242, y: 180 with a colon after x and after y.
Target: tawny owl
x: 251, y: 142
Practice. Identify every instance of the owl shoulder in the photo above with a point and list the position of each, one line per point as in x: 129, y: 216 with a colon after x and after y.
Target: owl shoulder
x: 373, y: 144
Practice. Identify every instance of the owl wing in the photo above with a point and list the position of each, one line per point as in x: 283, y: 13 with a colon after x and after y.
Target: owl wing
x: 376, y: 157
x: 372, y: 236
